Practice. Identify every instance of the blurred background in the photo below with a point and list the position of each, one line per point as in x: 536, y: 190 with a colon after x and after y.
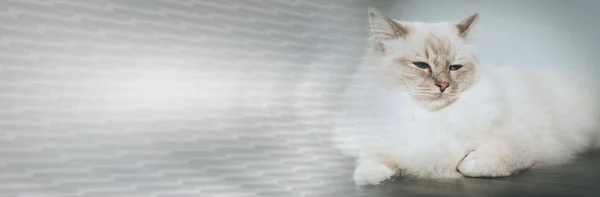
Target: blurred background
x: 233, y: 98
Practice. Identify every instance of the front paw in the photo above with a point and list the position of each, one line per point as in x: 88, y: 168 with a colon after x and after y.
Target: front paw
x: 481, y: 164
x: 370, y: 172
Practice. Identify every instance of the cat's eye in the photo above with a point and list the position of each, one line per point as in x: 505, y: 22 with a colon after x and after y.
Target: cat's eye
x: 422, y: 65
x: 455, y: 67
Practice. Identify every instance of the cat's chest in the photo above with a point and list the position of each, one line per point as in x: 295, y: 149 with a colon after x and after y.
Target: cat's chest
x: 435, y: 123
x: 444, y: 138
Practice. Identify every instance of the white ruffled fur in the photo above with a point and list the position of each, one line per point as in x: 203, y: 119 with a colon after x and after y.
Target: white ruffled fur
x: 510, y: 119
x: 522, y: 118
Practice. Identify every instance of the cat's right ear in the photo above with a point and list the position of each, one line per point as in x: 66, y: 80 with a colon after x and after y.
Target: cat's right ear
x: 383, y: 29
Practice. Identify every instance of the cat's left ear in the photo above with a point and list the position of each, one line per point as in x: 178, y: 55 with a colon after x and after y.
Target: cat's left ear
x: 466, y: 25
x: 384, y: 29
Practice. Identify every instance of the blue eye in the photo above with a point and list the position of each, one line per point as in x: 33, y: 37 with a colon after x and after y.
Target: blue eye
x: 422, y: 65
x: 455, y: 67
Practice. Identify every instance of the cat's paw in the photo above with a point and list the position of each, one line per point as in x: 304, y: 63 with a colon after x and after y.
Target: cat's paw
x: 371, y: 172
x: 482, y: 164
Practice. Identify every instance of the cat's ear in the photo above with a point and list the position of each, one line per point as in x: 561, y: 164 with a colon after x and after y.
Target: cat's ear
x: 383, y: 28
x: 466, y: 25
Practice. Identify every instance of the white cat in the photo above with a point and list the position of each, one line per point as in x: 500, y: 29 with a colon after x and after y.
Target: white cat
x: 423, y: 106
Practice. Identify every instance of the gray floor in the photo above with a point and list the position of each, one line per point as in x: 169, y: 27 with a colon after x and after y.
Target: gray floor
x: 579, y: 178
x: 196, y: 98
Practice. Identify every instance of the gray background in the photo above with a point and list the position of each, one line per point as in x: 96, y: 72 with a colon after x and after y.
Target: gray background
x: 539, y: 33
x: 169, y: 98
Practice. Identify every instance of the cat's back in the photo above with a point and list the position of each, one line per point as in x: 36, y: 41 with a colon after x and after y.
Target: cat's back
x: 561, y: 89
x: 561, y: 104
x: 562, y: 86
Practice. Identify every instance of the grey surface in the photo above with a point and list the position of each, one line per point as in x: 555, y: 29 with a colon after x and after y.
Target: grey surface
x: 177, y: 98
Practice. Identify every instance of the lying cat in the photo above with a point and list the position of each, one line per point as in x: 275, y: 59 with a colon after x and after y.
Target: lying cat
x: 439, y: 113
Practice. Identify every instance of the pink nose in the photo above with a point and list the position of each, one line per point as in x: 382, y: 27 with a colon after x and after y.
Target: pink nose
x: 442, y: 85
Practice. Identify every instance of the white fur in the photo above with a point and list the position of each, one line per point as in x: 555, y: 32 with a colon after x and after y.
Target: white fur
x: 512, y: 118
x: 371, y: 172
x: 528, y: 118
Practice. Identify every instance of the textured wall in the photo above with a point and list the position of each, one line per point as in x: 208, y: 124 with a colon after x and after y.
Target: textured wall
x: 166, y: 98
x: 175, y: 98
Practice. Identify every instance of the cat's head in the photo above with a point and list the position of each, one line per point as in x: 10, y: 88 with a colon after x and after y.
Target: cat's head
x: 431, y: 61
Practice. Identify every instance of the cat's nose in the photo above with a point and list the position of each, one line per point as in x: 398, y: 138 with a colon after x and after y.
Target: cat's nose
x: 442, y: 85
